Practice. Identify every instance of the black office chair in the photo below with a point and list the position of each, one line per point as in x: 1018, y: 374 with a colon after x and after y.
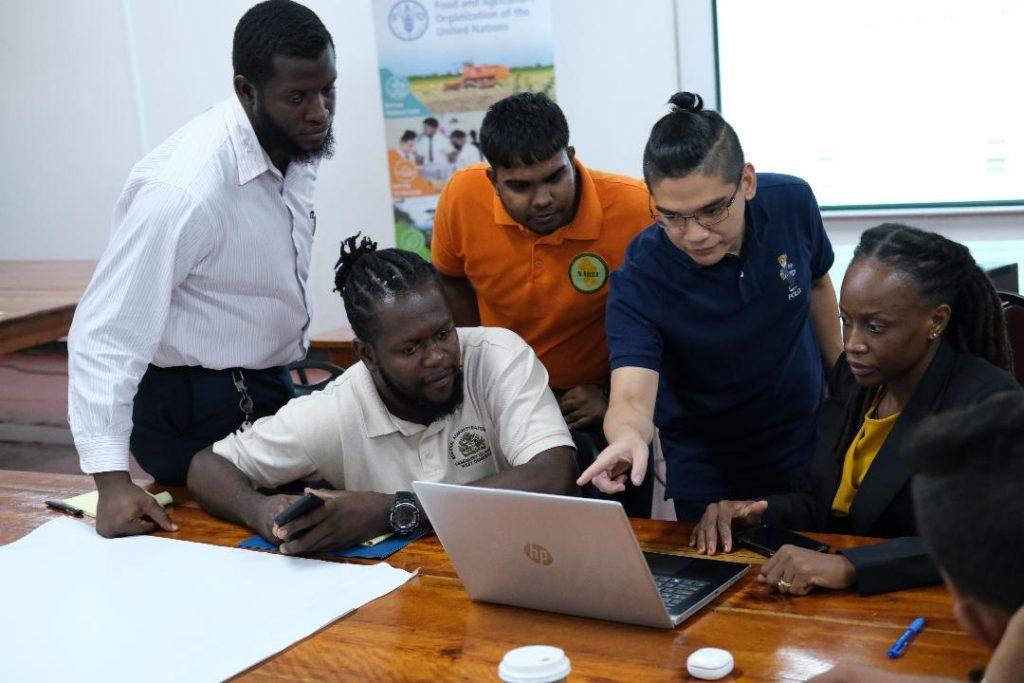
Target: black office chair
x: 1013, y: 312
x: 301, y: 375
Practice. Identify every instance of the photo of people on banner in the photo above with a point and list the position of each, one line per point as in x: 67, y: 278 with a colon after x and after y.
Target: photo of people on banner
x: 442, y: 64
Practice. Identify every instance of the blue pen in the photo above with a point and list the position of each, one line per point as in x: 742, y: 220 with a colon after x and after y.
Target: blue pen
x: 900, y: 646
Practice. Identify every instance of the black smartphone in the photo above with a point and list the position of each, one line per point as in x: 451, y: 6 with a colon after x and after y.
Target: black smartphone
x: 302, y: 506
x: 766, y: 540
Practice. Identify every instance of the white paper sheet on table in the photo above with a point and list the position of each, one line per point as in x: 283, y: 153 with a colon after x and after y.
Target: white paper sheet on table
x: 75, y: 606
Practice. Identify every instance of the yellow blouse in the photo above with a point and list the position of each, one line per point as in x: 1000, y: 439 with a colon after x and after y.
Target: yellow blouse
x: 859, y: 456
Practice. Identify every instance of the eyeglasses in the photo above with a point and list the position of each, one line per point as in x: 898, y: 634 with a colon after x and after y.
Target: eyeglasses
x: 706, y: 218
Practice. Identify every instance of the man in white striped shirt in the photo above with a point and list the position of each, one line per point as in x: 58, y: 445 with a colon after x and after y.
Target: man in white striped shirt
x: 201, y: 297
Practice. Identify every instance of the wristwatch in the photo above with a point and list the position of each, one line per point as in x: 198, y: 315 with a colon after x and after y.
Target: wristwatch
x: 404, y: 516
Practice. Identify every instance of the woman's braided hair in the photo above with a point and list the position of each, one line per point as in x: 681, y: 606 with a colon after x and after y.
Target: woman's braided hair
x: 365, y: 276
x: 944, y: 272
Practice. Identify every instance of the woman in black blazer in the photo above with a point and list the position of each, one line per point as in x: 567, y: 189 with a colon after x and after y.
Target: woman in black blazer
x: 923, y: 333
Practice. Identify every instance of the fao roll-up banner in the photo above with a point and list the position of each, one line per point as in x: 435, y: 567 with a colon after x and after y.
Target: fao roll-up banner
x: 442, y: 64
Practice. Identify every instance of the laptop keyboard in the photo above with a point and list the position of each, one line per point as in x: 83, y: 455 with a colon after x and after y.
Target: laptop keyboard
x: 675, y: 590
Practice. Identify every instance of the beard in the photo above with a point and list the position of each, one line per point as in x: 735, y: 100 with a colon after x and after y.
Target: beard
x: 273, y: 136
x: 417, y: 402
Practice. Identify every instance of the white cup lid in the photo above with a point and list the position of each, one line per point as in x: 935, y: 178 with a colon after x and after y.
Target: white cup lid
x: 534, y: 664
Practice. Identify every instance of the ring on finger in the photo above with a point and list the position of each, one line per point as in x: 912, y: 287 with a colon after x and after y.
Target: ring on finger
x: 784, y: 585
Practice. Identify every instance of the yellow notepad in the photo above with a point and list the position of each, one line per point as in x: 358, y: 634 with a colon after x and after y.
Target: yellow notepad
x: 87, y: 501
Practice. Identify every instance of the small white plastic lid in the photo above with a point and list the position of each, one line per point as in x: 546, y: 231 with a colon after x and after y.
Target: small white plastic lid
x: 709, y: 663
x: 534, y: 664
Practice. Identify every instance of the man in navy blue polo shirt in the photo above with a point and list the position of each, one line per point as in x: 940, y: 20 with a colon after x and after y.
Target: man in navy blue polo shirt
x: 720, y: 322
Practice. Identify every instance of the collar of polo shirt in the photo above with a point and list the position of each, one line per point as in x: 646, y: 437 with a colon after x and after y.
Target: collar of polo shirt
x: 586, y: 225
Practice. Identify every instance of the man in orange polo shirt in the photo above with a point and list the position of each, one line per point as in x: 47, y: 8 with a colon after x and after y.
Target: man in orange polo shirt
x: 527, y: 243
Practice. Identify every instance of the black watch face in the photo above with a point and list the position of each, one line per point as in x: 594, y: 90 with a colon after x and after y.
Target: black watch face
x: 404, y: 516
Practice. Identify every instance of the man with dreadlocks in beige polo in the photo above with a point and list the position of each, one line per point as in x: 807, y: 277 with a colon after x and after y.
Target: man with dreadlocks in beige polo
x: 427, y: 402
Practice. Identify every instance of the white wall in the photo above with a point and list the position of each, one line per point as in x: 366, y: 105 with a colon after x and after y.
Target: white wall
x: 614, y: 71
x: 68, y: 130
x: 89, y: 87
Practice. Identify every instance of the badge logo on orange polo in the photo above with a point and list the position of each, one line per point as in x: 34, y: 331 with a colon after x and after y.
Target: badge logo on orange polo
x: 468, y: 446
x: 787, y: 272
x: 588, y: 272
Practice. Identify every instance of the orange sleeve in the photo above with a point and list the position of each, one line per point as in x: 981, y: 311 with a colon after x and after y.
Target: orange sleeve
x: 444, y: 252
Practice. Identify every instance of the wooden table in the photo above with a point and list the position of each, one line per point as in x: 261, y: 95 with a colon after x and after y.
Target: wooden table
x: 338, y: 345
x: 430, y: 630
x: 38, y: 300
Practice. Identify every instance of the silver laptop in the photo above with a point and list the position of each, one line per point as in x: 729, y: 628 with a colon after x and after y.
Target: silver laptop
x: 569, y: 555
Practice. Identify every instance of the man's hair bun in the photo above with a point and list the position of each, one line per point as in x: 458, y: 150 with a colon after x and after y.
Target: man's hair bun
x: 686, y: 101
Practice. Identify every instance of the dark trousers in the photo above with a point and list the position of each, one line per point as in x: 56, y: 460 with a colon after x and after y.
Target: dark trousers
x: 690, y: 510
x: 636, y: 500
x: 180, y: 411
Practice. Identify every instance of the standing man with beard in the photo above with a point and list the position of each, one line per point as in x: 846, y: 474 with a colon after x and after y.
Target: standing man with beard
x: 200, y: 299
x: 427, y: 401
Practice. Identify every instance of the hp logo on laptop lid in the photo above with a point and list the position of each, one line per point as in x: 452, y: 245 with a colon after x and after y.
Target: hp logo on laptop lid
x: 538, y: 554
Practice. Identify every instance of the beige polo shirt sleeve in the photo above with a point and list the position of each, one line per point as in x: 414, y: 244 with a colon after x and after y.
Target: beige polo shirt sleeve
x: 301, y: 441
x: 526, y: 412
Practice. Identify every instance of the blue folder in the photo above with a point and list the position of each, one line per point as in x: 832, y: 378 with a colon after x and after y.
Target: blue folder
x: 381, y: 551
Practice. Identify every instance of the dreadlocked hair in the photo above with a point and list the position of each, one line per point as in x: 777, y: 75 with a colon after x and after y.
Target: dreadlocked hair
x: 945, y: 273
x: 365, y: 276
